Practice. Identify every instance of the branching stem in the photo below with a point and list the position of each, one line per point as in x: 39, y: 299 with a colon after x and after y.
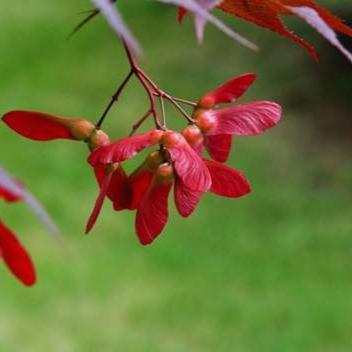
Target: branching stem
x: 152, y: 91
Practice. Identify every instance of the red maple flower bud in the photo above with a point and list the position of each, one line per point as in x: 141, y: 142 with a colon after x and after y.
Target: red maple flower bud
x: 97, y: 138
x: 155, y: 136
x: 205, y: 120
x: 164, y: 174
x: 193, y: 135
x: 171, y: 139
x: 81, y: 129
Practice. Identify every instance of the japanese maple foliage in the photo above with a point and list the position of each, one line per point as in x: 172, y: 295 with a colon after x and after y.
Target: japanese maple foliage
x: 264, y: 13
x: 199, y: 8
x: 267, y: 14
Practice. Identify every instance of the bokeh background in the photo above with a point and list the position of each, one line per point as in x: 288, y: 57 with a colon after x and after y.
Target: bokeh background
x: 269, y: 272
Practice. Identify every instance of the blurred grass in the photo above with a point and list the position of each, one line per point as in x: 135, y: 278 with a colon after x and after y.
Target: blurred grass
x: 269, y: 272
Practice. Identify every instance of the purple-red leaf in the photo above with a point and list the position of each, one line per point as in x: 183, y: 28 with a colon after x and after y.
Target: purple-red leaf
x: 314, y: 19
x: 202, y: 15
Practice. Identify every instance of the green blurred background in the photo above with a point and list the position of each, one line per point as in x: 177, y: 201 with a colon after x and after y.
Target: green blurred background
x: 269, y: 272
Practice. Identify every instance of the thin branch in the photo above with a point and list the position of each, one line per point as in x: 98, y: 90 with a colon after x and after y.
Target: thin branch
x: 173, y: 101
x: 185, y: 101
x: 179, y: 108
x: 141, y: 77
x: 91, y: 15
x: 159, y: 92
x: 152, y: 100
x: 140, y: 121
x: 114, y: 98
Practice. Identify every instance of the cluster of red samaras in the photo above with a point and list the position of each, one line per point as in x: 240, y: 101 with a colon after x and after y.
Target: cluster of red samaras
x: 12, y: 252
x: 176, y: 161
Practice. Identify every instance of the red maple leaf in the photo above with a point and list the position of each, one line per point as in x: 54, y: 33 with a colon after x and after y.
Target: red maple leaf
x: 267, y: 14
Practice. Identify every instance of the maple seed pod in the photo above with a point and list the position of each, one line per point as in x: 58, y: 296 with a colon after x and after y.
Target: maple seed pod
x: 153, y: 161
x: 193, y: 135
x: 151, y: 164
x: 164, y: 174
x: 111, y: 168
x: 97, y: 139
x: 82, y: 129
x: 207, y: 102
x: 205, y: 121
x: 156, y: 136
x: 171, y: 139
x: 40, y: 126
